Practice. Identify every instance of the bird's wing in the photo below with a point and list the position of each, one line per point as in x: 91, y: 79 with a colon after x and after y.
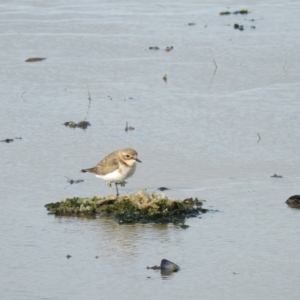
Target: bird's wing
x: 108, y: 164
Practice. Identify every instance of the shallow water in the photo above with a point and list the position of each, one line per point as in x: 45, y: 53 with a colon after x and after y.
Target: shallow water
x: 196, y: 134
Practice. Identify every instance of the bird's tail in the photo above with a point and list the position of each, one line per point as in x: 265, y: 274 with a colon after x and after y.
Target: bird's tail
x: 87, y: 170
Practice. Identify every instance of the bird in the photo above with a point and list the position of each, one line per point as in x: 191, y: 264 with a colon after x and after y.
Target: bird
x: 116, y: 167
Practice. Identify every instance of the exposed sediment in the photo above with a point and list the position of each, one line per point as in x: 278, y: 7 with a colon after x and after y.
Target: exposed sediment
x: 140, y: 207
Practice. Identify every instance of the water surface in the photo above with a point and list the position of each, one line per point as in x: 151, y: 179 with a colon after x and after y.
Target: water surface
x: 196, y: 134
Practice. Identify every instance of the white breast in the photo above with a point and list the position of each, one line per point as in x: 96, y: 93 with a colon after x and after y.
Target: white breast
x: 119, y: 175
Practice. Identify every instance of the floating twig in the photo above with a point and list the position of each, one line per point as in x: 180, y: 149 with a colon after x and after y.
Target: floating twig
x: 71, y: 181
x: 89, y: 105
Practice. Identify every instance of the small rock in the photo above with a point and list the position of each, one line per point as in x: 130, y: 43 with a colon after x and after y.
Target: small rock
x: 276, y: 176
x: 34, y: 59
x: 163, y: 188
x: 293, y: 201
x: 168, y: 266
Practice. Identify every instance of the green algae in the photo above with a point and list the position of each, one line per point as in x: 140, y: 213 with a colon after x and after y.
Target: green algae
x: 140, y: 207
x: 241, y: 12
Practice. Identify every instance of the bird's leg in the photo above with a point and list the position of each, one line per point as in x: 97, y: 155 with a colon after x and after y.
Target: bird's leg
x: 117, y: 188
x: 109, y: 184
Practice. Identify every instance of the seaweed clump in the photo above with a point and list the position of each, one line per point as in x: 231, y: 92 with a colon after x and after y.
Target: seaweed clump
x: 241, y: 12
x: 140, y: 207
x: 81, y: 124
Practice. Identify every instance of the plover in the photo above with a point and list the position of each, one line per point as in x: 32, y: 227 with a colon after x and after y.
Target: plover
x: 116, y: 167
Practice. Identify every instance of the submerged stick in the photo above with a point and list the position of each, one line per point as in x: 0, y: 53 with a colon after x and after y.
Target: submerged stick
x: 284, y: 68
x: 213, y: 61
x: 90, y: 100
x: 89, y: 92
x: 216, y: 67
x: 258, y: 138
x: 23, y: 95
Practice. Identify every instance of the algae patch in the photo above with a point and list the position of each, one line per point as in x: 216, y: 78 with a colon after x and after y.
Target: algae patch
x: 140, y: 207
x: 241, y: 12
x: 82, y: 124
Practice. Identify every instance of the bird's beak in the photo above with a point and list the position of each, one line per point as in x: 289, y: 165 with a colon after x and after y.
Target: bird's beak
x: 138, y: 160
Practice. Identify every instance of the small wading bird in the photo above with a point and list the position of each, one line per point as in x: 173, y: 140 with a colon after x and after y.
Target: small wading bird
x: 116, y: 167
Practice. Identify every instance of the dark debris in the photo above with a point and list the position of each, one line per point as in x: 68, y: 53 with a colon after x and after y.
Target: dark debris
x: 81, y: 124
x: 11, y: 140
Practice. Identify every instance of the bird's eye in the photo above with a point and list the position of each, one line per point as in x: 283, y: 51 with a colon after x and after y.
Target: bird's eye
x: 127, y: 155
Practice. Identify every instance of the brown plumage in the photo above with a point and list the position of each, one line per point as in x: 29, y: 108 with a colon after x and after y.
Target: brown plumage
x: 108, y: 164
